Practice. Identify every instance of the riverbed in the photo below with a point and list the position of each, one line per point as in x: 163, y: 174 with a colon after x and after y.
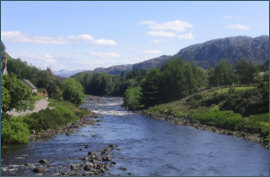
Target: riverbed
x: 146, y: 146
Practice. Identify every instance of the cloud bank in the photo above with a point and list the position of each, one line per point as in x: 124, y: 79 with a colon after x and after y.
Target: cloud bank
x: 17, y: 36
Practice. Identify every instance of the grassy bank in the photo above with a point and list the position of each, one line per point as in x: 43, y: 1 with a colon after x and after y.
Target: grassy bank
x: 18, y: 129
x: 231, y: 108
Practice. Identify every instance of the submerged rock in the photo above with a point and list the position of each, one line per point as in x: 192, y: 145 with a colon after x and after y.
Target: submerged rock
x: 123, y: 168
x: 95, y: 135
x: 40, y: 170
x: 44, y: 161
x: 112, y: 164
x: 106, y: 158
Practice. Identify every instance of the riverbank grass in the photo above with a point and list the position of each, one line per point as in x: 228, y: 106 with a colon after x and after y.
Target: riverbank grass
x: 17, y: 129
x: 210, y: 107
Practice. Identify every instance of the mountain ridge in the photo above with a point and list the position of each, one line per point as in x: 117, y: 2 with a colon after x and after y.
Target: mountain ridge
x: 206, y: 54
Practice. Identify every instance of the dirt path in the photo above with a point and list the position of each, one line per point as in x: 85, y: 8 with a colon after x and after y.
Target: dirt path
x: 39, y: 105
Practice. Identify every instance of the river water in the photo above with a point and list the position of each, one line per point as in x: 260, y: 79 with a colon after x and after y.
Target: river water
x: 149, y: 147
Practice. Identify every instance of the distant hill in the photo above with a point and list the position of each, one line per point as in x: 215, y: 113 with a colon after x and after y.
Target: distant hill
x: 232, y: 48
x: 118, y: 69
x: 207, y: 54
x: 66, y: 73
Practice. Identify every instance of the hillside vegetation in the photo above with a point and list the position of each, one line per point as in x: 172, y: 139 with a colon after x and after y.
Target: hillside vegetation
x: 64, y: 94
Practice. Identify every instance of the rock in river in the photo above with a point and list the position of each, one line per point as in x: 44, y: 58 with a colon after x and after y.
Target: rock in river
x: 44, y: 161
x: 40, y: 170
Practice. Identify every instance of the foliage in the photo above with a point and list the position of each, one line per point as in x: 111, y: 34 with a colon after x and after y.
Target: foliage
x: 222, y: 74
x: 14, y: 130
x: 151, y: 88
x: 53, y: 91
x: 15, y: 94
x: 248, y: 102
x: 223, y: 119
x: 176, y: 79
x: 246, y: 71
x: 132, y: 98
x: 99, y: 83
x: 207, y: 107
x: 72, y: 91
x: 40, y: 78
x: 63, y: 113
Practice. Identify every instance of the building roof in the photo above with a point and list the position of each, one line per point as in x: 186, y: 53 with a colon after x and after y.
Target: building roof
x: 30, y: 84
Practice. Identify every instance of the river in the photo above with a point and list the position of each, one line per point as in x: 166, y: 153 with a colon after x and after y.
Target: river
x: 149, y: 147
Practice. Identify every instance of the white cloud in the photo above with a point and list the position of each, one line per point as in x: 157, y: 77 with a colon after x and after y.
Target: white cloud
x: 17, y: 36
x: 186, y: 36
x: 105, y: 42
x: 47, y: 58
x: 156, y: 52
x: 177, y: 25
x: 146, y: 55
x: 82, y: 37
x: 40, y: 60
x: 105, y: 54
x: 228, y: 17
x: 238, y: 26
x: 161, y: 33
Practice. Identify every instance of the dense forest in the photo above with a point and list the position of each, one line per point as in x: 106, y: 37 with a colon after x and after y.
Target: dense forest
x: 176, y: 79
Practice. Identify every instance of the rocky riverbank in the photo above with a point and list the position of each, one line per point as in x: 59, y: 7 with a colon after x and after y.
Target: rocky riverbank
x: 256, y: 137
x: 93, y: 164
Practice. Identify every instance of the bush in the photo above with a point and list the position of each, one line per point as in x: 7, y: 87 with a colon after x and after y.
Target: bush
x: 15, y: 94
x: 14, y: 130
x: 132, y: 97
x: 73, y: 91
x: 248, y: 102
x: 222, y: 119
x: 64, y: 113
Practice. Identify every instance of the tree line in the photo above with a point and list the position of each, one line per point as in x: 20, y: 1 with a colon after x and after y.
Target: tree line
x: 17, y: 95
x: 174, y: 80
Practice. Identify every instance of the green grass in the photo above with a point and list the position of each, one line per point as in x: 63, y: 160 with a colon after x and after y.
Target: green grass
x: 38, y: 97
x: 204, y: 107
x: 16, y: 129
x: 237, y: 88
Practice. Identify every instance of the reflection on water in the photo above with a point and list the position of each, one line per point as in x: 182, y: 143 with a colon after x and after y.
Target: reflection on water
x: 149, y: 147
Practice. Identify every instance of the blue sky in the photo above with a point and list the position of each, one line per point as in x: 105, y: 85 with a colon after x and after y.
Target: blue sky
x: 87, y: 35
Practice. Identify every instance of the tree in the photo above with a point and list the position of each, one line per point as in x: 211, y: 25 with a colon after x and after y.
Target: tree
x: 72, y: 91
x: 53, y: 90
x: 222, y: 74
x: 246, y: 71
x: 132, y: 98
x: 15, y: 94
x: 151, y: 88
x: 3, y: 59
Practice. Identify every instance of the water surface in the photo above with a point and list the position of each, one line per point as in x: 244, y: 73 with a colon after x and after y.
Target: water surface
x: 149, y: 147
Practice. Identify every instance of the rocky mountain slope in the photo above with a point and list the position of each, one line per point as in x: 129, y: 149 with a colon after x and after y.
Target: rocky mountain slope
x: 207, y: 54
x: 232, y: 48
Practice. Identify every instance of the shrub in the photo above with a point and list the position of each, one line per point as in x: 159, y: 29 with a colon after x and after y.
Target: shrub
x: 14, y: 130
x: 132, y: 97
x: 15, y: 94
x: 73, y: 91
x: 222, y: 119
